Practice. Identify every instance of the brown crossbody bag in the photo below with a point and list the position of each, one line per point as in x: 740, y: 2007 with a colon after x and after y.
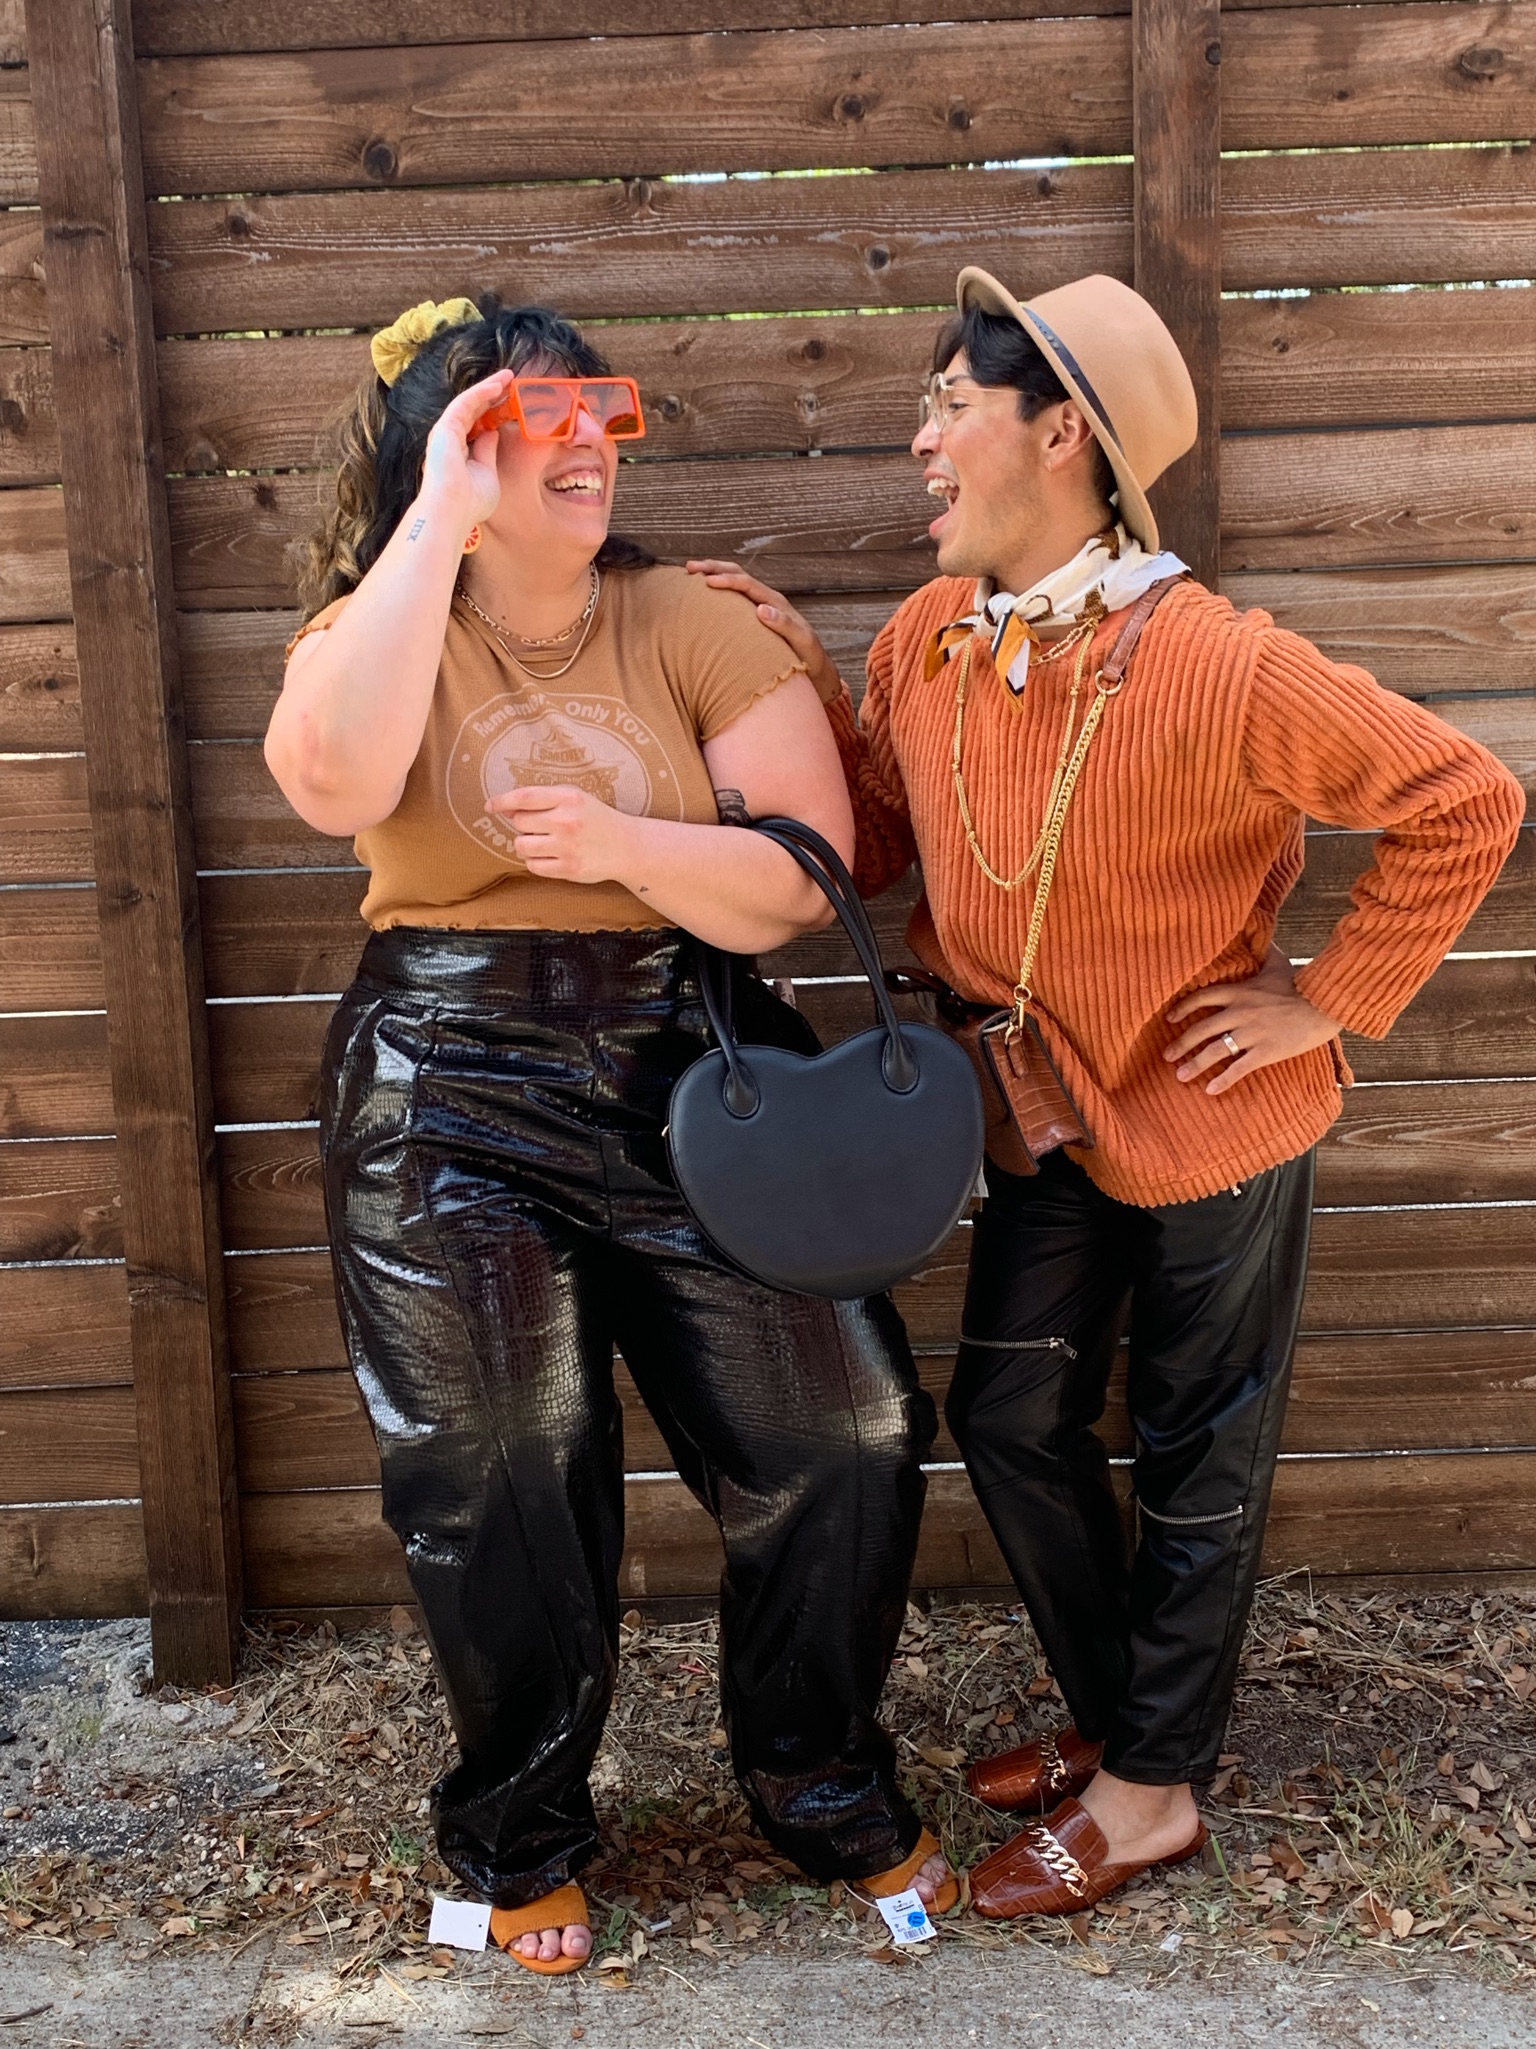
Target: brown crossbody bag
x: 1029, y: 1112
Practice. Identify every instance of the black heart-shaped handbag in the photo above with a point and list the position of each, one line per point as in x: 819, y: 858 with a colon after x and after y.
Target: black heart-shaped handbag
x: 833, y: 1173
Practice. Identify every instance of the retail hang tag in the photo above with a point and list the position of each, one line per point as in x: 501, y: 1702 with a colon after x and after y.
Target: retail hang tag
x: 461, y: 1924
x: 906, y: 1917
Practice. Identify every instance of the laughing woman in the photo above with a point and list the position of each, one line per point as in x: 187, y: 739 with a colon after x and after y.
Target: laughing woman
x: 533, y: 732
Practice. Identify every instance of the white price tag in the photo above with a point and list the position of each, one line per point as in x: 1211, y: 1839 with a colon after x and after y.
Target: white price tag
x: 461, y: 1924
x: 906, y: 1917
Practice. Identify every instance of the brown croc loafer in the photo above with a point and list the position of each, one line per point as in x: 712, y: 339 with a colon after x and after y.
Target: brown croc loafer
x: 1036, y: 1776
x: 1059, y: 1866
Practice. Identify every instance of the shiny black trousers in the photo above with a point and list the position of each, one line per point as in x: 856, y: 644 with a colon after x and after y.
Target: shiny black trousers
x: 502, y: 1216
x: 1144, y: 1646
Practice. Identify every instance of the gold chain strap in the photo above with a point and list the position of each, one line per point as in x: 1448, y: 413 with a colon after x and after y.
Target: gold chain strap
x: 1069, y: 766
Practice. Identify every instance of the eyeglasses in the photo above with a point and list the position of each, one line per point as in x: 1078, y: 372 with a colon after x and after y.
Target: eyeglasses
x: 546, y: 408
x: 933, y: 408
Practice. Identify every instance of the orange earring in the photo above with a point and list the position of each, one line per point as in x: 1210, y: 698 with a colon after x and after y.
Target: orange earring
x: 473, y: 540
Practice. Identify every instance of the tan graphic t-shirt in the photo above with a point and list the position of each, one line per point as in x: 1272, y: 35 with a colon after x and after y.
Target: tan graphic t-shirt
x: 668, y: 665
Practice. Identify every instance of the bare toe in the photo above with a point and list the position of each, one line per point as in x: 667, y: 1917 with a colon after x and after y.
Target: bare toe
x: 577, y: 1941
x: 528, y: 1945
x: 549, y: 1945
x: 932, y: 1879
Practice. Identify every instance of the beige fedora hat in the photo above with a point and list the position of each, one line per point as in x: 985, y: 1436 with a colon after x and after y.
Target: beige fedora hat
x: 1123, y: 367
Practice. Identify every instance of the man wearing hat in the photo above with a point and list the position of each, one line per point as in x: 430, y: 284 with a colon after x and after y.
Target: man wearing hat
x: 1107, y: 826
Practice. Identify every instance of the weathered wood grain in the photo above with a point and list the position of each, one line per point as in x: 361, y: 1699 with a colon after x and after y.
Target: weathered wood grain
x: 45, y: 825
x: 1372, y: 1272
x: 39, y: 689
x: 1442, y: 633
x: 498, y: 113
x: 840, y: 381
x: 23, y: 301
x: 55, y: 1080
x: 1325, y: 77
x: 1177, y: 50
x: 1416, y: 1514
x: 18, y: 144
x: 91, y: 191
x: 72, y: 1561
x: 50, y: 948
x: 193, y: 27
x: 13, y: 32
x: 34, y: 570
x: 74, y: 1444
x: 1400, y: 1391
x: 1428, y: 494
x: 64, y: 1326
x: 60, y: 1200
x: 844, y: 522
x: 29, y: 437
x: 642, y: 248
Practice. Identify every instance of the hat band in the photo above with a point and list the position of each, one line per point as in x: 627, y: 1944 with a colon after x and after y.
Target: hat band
x: 1074, y: 370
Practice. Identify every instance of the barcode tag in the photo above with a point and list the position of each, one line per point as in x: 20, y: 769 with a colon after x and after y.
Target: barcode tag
x: 461, y: 1924
x: 906, y: 1917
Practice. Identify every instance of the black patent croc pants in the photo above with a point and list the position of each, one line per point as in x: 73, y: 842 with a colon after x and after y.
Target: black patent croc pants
x: 502, y: 1216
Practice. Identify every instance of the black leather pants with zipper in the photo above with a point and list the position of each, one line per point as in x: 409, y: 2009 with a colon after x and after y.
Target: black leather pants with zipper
x: 1144, y: 1641
x: 502, y: 1216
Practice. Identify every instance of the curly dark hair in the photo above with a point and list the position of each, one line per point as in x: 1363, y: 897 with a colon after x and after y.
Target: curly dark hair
x: 381, y: 440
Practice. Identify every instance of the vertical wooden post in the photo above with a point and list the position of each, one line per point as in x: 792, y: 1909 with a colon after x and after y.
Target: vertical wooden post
x: 1177, y: 93
x: 96, y: 262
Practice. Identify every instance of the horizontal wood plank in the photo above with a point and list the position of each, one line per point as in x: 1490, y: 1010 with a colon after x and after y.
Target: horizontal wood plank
x: 1475, y: 1020
x: 72, y: 1561
x: 641, y: 248
x: 64, y: 1326
x: 846, y: 522
x: 1371, y: 1272
x: 495, y: 113
x: 283, y: 934
x: 1414, y: 1514
x: 50, y: 949
x: 59, y: 1200
x: 1400, y: 1391
x: 39, y: 688
x: 74, y: 1444
x: 18, y: 141
x: 1325, y: 77
x: 839, y: 381
x: 23, y: 300
x: 1429, y: 633
x: 34, y: 575
x: 828, y: 98
x: 29, y: 434
x: 217, y: 27
x: 45, y: 827
x: 1427, y: 494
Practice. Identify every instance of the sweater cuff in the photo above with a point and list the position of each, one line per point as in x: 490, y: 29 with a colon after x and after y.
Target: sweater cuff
x: 1335, y: 986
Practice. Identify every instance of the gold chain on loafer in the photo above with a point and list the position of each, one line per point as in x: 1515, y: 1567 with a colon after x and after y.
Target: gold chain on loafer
x: 1058, y: 1859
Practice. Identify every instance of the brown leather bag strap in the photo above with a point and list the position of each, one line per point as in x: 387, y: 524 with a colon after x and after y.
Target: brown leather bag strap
x: 1113, y: 672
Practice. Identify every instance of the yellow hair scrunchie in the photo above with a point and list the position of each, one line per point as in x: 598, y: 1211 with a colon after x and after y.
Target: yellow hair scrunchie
x: 393, y: 347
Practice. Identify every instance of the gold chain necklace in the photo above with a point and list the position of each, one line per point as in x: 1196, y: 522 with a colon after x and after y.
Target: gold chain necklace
x: 1069, y: 765
x: 544, y: 675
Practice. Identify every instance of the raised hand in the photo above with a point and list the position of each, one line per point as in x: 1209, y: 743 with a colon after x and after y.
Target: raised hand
x: 459, y: 473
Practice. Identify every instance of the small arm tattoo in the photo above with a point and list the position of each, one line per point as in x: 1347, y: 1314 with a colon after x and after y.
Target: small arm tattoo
x: 732, y: 807
x: 416, y: 529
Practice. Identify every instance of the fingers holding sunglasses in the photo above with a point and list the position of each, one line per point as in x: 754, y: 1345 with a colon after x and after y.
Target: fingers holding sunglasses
x: 460, y: 468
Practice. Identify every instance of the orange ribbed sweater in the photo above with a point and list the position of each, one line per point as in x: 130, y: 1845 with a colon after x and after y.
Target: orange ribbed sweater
x: 1183, y: 840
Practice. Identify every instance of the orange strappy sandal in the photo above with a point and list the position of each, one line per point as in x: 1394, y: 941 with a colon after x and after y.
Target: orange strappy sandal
x: 898, y: 1879
x: 564, y: 1908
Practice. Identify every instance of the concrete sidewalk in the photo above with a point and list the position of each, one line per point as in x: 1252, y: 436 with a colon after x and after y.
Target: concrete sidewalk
x: 105, y: 2001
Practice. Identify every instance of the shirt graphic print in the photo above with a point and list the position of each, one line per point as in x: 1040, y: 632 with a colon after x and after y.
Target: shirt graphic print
x: 532, y: 739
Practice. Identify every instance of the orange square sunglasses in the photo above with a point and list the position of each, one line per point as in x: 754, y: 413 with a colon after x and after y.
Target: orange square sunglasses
x: 546, y: 408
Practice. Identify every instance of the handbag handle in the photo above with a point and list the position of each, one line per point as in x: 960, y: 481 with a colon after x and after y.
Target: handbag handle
x: 827, y: 869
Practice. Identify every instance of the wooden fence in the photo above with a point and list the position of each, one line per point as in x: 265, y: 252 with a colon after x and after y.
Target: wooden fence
x: 227, y: 208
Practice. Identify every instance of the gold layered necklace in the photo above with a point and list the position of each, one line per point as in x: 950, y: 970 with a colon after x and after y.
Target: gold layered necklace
x: 554, y: 640
x: 1069, y: 756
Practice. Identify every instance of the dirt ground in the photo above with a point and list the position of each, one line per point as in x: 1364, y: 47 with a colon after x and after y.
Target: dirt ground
x: 1374, y: 1824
